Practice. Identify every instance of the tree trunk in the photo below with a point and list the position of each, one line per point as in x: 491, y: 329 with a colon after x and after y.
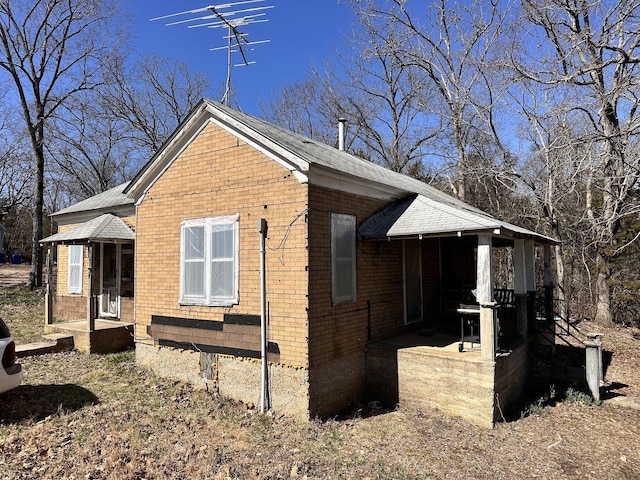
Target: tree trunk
x: 604, y: 315
x: 562, y: 307
x: 35, y: 274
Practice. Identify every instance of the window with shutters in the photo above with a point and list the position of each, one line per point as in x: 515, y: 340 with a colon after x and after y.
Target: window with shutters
x: 209, y: 261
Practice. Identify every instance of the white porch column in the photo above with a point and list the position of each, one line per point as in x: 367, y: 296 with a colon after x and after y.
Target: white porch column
x: 48, y: 297
x: 529, y: 264
x: 548, y: 282
x: 520, y: 286
x: 91, y: 315
x: 484, y: 295
x: 530, y: 275
x: 548, y: 294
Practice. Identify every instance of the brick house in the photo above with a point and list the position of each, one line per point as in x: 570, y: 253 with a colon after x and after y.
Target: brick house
x: 352, y: 280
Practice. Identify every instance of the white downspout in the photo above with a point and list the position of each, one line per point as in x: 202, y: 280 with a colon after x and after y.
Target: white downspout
x: 265, y: 402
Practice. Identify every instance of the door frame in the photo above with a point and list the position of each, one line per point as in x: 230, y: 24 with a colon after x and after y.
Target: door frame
x: 409, y: 291
x: 102, y: 311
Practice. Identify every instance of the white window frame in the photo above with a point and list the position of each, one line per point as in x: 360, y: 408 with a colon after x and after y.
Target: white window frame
x: 208, y: 298
x: 78, y: 264
x: 339, y: 222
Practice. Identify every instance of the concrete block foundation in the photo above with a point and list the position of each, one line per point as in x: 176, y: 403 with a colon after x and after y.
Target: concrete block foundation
x: 232, y: 377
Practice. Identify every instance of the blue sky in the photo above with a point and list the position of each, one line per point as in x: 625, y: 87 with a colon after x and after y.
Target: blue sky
x: 302, y: 33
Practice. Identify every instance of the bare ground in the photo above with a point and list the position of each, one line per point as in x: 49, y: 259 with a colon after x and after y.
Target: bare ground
x: 101, y: 417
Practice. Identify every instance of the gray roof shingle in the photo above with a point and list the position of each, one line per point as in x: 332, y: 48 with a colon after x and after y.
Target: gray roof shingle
x: 114, y: 197
x: 106, y: 227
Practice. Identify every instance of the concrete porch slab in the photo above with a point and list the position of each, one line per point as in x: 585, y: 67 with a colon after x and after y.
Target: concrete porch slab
x: 109, y: 335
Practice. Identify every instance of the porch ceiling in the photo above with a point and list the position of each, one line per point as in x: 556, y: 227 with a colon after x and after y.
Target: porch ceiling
x: 419, y: 215
x: 105, y: 228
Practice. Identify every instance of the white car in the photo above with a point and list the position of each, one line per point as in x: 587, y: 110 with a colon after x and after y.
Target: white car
x: 11, y: 372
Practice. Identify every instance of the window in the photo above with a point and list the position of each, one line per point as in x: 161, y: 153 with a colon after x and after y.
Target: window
x: 343, y: 258
x: 209, y: 261
x: 74, y: 282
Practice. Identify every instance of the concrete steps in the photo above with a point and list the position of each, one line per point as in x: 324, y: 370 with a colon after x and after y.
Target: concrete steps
x: 52, y: 342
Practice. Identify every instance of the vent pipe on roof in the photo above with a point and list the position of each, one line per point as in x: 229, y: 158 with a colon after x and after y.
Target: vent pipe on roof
x: 341, y: 123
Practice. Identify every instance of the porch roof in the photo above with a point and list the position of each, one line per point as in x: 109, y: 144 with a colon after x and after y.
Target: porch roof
x: 105, y: 228
x: 111, y: 198
x: 419, y: 215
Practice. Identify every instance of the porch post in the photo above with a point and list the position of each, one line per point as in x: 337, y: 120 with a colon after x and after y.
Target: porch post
x: 530, y: 276
x: 548, y: 295
x: 91, y: 317
x: 48, y: 305
x: 484, y: 295
x: 520, y: 286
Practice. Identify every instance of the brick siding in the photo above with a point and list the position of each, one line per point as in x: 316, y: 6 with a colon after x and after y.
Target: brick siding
x: 219, y: 175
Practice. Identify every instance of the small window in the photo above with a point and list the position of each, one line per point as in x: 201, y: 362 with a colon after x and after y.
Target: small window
x: 209, y: 261
x: 74, y: 282
x: 343, y: 258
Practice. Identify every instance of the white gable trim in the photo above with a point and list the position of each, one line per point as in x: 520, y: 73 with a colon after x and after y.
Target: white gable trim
x: 165, y: 157
x: 193, y: 127
x: 275, y: 152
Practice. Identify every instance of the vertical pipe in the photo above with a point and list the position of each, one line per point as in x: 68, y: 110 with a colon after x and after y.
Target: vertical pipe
x: 227, y: 88
x: 264, y: 390
x: 341, y: 122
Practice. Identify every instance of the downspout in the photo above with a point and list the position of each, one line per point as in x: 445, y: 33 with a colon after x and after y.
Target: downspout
x: 265, y: 402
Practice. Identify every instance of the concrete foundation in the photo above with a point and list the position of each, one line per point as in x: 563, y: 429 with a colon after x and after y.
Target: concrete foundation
x: 512, y: 374
x: 232, y: 377
x: 108, y: 337
x: 407, y: 372
x: 337, y: 385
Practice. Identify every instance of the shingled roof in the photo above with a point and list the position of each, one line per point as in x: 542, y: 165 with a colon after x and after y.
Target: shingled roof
x: 108, y: 199
x: 419, y: 208
x: 298, y: 153
x: 106, y: 227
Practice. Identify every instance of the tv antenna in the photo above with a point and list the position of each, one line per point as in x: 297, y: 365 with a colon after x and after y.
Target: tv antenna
x: 232, y: 17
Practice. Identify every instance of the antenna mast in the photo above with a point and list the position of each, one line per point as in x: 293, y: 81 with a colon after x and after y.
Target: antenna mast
x: 222, y: 16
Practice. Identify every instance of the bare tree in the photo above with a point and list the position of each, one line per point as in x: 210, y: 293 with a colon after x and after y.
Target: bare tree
x: 555, y: 175
x: 386, y: 100
x: 102, y: 137
x: 51, y: 50
x: 91, y: 150
x: 15, y: 172
x: 450, y: 44
x: 152, y: 96
x: 299, y: 107
x: 587, y: 59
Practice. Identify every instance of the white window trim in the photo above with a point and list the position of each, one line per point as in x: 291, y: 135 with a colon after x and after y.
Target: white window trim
x: 339, y: 297
x: 208, y: 299
x: 77, y: 288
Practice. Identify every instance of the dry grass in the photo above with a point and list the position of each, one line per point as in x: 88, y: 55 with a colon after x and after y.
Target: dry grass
x: 23, y: 310
x: 101, y: 417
